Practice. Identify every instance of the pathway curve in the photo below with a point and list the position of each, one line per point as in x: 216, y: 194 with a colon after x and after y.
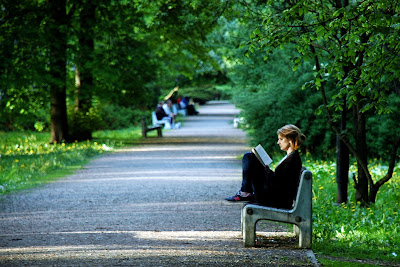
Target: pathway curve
x: 159, y: 203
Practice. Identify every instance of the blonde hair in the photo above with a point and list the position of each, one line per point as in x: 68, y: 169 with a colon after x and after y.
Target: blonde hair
x: 294, y: 135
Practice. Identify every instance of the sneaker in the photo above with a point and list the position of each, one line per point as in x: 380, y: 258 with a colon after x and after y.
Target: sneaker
x: 239, y: 197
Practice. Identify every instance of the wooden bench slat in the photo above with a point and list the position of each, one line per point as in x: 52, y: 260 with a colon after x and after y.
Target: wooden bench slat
x: 146, y: 129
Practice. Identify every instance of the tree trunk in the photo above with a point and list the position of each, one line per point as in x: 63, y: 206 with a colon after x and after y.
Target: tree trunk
x: 362, y: 151
x: 342, y: 162
x: 85, y: 62
x: 342, y: 153
x: 373, y: 193
x: 84, y: 91
x: 58, y: 54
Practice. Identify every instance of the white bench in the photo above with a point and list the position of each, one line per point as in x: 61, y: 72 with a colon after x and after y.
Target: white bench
x: 157, y: 122
x: 300, y: 215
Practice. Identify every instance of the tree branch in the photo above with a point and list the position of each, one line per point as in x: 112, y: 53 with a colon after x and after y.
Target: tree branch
x: 333, y: 126
x: 392, y: 162
x: 220, y: 13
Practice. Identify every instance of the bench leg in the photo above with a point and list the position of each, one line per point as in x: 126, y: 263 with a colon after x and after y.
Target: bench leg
x: 296, y: 230
x: 242, y: 218
x: 305, y: 236
x: 159, y: 132
x: 143, y: 123
x: 248, y: 229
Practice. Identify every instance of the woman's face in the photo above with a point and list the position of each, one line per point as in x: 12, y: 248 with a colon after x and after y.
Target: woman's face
x: 283, y: 143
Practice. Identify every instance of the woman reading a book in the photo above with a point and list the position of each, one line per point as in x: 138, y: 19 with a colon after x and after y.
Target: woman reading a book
x: 268, y: 188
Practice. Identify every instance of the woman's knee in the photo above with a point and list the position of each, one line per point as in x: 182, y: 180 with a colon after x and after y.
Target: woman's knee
x: 249, y: 156
x: 248, y: 159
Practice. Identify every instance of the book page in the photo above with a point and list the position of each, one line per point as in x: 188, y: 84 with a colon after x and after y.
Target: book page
x: 262, y: 155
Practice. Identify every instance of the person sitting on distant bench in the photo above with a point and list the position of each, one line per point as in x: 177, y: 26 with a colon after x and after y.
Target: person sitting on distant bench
x: 274, y: 189
x: 187, y: 103
x: 167, y: 109
x: 161, y: 114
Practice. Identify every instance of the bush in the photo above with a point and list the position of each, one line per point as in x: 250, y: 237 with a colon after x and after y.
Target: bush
x: 118, y: 117
x: 81, y: 124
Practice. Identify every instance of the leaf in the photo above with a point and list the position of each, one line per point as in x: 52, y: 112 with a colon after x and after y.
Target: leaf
x: 318, y: 82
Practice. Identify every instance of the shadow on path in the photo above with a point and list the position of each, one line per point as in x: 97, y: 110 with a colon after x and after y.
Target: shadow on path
x: 159, y: 203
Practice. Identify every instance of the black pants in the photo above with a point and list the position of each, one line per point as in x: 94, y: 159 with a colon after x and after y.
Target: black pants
x: 254, y: 177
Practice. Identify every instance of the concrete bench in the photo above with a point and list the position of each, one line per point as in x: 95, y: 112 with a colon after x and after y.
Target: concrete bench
x: 157, y: 122
x: 300, y: 215
x: 146, y: 129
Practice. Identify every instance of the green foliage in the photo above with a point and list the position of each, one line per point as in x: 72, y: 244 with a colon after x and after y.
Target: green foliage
x: 124, y: 52
x: 119, y: 117
x: 17, y: 114
x: 349, y: 230
x: 181, y: 27
x: 82, y: 122
x: 122, y: 137
x: 270, y: 96
x: 203, y: 92
x: 383, y: 129
x: 269, y: 92
x: 351, y: 43
x: 23, y: 66
x: 347, y: 60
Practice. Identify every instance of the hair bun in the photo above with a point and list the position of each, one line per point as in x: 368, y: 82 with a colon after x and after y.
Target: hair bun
x: 293, y: 133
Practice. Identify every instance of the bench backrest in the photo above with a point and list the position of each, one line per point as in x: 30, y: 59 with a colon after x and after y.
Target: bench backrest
x: 304, y: 191
x: 154, y: 118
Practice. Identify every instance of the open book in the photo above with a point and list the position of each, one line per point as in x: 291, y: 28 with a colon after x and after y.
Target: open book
x: 262, y: 155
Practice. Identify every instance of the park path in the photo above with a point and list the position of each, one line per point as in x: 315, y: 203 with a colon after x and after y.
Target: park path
x: 158, y: 203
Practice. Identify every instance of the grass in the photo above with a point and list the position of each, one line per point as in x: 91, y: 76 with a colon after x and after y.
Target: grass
x: 343, y: 235
x: 27, y: 159
x: 349, y: 231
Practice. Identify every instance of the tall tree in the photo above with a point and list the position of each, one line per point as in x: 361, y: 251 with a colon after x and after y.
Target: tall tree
x: 84, y: 28
x: 182, y: 27
x: 57, y: 26
x: 354, y: 44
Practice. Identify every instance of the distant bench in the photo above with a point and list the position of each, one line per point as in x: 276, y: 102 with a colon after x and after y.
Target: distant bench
x: 300, y: 215
x: 156, y: 122
x: 146, y: 129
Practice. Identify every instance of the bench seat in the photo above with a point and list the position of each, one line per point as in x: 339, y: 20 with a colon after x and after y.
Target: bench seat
x: 157, y: 122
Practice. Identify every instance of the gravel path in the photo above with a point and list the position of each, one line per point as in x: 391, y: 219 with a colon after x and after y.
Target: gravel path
x: 159, y: 203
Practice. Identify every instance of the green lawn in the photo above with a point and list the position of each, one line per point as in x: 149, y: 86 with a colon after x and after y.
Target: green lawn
x: 351, y: 231
x: 27, y: 159
x: 342, y: 234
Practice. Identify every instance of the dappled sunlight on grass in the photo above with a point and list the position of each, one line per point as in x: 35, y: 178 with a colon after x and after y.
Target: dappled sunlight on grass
x: 27, y: 157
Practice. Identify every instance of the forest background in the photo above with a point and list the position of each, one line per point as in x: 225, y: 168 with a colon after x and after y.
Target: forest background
x: 72, y: 67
